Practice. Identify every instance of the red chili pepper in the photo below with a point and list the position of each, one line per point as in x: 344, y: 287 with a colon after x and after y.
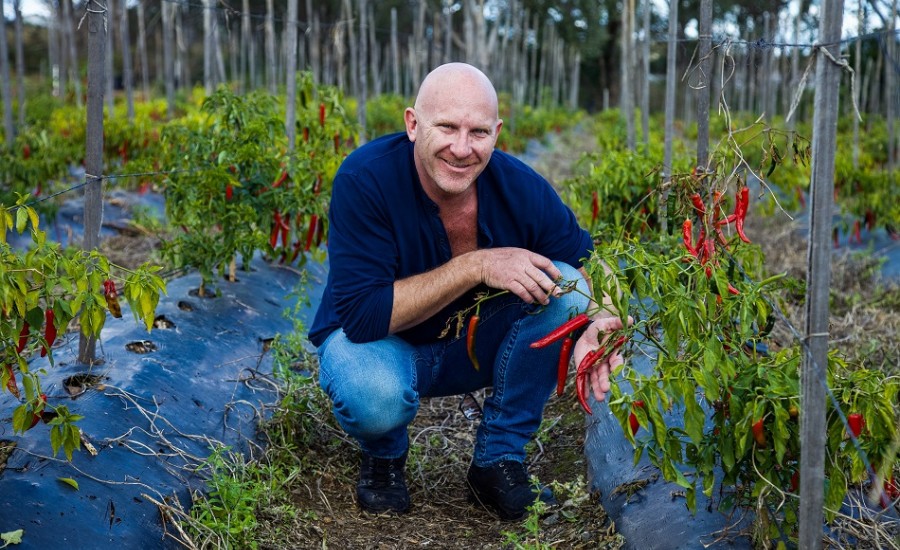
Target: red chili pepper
x: 856, y: 423
x: 744, y: 201
x: 337, y: 142
x: 891, y: 488
x: 112, y: 298
x: 581, y: 389
x: 795, y: 482
x: 698, y: 204
x: 687, y: 234
x: 322, y: 114
x: 564, y: 329
x: 23, y: 337
x: 318, y: 186
x: 563, y: 368
x: 800, y: 198
x: 633, y: 419
x: 276, y: 229
x: 733, y: 290
x: 36, y: 413
x: 856, y: 232
x: 280, y: 179
x: 595, y: 207
x: 49, y: 330
x: 759, y: 433
x: 26, y: 151
x: 834, y: 235
x: 228, y: 192
x: 285, y: 230
x: 581, y: 376
x: 306, y: 134
x: 470, y: 341
x: 313, y: 224
x: 11, y: 383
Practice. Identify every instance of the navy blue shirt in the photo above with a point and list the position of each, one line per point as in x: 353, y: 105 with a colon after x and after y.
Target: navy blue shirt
x: 383, y: 227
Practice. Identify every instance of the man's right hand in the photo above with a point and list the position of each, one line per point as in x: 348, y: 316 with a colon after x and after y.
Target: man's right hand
x: 528, y: 275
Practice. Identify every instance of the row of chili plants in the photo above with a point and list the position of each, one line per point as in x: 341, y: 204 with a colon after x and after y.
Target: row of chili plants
x: 718, y: 413
x: 42, y: 291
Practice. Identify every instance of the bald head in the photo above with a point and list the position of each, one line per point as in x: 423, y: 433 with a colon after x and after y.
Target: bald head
x: 454, y: 82
x: 454, y: 126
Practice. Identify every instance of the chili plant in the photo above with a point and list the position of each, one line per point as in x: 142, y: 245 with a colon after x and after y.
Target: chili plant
x: 41, y: 291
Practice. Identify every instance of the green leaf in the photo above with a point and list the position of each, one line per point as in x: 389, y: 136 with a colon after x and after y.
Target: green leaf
x: 12, y: 537
x: 21, y: 220
x: 69, y: 481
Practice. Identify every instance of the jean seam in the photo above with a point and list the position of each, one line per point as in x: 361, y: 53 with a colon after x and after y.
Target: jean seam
x: 497, y: 396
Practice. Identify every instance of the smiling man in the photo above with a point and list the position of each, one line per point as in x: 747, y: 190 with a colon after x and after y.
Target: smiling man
x: 421, y: 224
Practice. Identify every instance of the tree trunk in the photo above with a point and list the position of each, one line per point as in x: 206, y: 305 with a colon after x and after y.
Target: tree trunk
x: 20, y: 62
x: 354, y: 49
x: 73, y: 57
x: 168, y: 40
x: 110, y: 54
x: 362, y: 90
x: 6, y: 89
x: 395, y: 54
x: 270, y: 47
x: 57, y: 45
x: 142, y: 51
x: 127, y: 75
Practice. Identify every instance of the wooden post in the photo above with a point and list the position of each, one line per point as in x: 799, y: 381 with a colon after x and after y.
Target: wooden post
x: 671, y: 53
x: 290, y: 44
x: 20, y: 62
x: 645, y: 81
x: 97, y: 24
x: 857, y: 67
x: 815, y: 361
x: 703, y: 87
x: 626, y: 101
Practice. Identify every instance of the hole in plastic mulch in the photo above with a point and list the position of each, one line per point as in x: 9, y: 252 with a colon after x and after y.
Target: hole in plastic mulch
x: 140, y: 346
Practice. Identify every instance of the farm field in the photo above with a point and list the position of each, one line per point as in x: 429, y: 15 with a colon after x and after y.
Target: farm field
x: 303, y: 468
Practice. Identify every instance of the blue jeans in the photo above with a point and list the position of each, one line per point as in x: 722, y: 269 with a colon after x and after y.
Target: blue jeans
x: 375, y: 386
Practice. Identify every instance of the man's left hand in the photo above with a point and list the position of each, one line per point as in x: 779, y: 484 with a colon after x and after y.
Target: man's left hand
x: 595, y: 336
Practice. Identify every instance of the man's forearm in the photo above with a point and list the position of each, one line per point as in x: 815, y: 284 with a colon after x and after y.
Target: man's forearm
x: 419, y: 297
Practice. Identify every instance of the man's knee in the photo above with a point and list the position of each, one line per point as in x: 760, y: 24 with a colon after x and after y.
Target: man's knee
x: 370, y: 407
x: 575, y: 300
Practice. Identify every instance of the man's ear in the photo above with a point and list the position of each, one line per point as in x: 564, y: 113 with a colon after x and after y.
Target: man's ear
x: 409, y: 117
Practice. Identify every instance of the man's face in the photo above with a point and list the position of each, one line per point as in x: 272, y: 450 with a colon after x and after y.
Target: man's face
x: 454, y: 129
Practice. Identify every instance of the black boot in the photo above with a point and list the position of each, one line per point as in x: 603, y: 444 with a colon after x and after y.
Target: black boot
x: 382, y: 485
x: 505, y: 487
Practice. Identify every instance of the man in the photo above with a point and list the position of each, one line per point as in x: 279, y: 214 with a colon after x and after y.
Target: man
x: 422, y: 224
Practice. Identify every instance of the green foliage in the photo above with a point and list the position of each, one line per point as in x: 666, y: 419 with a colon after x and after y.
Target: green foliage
x: 384, y: 114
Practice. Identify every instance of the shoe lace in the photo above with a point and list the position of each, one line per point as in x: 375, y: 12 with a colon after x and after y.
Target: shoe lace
x: 514, y: 472
x: 384, y: 471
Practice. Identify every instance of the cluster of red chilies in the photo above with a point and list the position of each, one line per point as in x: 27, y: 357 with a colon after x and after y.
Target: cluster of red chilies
x: 705, y: 249
x: 564, y: 333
